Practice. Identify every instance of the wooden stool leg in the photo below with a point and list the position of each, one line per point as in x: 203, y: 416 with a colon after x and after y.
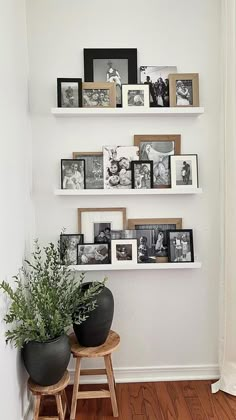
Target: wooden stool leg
x: 59, y: 407
x: 111, y: 384
x: 37, y: 406
x: 75, y: 389
x: 66, y: 401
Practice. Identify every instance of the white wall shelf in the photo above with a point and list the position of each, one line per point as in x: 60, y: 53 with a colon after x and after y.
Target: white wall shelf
x: 130, y: 192
x: 151, y: 266
x: 80, y: 112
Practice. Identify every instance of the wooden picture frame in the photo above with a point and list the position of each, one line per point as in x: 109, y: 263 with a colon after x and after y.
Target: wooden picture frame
x: 72, y: 178
x: 69, y: 92
x: 184, y: 171
x: 143, y: 180
x: 117, y: 65
x: 136, y: 96
x: 184, y: 89
x: 87, y: 217
x: 180, y: 246
x: 98, y: 95
x: 158, y: 148
x: 93, y: 168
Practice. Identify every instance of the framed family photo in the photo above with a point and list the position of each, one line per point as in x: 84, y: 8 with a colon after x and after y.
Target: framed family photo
x: 99, y: 95
x: 68, y: 247
x: 184, y: 89
x: 91, y: 221
x: 124, y: 251
x: 93, y: 168
x: 117, y: 166
x: 158, y: 148
x: 135, y: 96
x: 157, y: 77
x: 73, y: 174
x: 91, y: 254
x: 184, y: 171
x: 117, y: 65
x: 180, y: 245
x: 69, y: 93
x: 142, y: 174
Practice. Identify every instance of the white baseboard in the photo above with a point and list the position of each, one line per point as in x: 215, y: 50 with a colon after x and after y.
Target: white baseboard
x: 155, y: 374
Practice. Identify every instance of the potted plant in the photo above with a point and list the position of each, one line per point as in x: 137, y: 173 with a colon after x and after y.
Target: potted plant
x: 45, y: 303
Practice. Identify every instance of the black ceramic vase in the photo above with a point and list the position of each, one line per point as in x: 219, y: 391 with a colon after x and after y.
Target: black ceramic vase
x: 94, y: 331
x: 46, y: 362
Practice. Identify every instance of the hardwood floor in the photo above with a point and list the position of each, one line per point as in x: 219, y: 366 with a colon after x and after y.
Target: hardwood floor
x: 186, y: 400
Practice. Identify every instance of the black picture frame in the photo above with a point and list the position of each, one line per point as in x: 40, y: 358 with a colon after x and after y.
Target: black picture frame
x: 106, y: 260
x: 76, y: 161
x: 180, y: 255
x: 60, y: 81
x: 91, y: 54
x: 63, y: 248
x: 144, y: 162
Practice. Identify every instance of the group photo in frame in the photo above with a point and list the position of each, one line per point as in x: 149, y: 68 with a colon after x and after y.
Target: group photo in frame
x: 142, y: 174
x: 135, y: 96
x: 69, y: 92
x: 117, y: 65
x: 124, y: 251
x: 93, y: 168
x: 73, y: 174
x: 184, y: 171
x: 184, y: 89
x: 158, y: 148
x: 99, y: 95
x: 180, y: 245
x: 93, y: 254
x: 68, y: 247
x: 157, y: 77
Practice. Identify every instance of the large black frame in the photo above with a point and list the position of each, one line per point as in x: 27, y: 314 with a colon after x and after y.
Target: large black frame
x: 76, y: 161
x: 190, y: 231
x: 91, y: 54
x: 69, y: 80
x: 138, y: 162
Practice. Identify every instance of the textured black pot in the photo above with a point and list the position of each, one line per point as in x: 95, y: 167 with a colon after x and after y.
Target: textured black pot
x: 94, y: 331
x: 46, y: 362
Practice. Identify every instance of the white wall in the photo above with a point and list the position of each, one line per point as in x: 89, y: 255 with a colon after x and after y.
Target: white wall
x: 166, y: 319
x: 15, y: 173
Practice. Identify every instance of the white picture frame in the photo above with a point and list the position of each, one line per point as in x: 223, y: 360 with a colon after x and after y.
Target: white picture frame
x: 124, y: 251
x: 184, y: 171
x: 136, y: 96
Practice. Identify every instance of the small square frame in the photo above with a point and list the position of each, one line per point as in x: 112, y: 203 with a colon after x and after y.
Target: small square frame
x: 59, y: 93
x: 132, y: 242
x: 139, y: 103
x: 173, y: 78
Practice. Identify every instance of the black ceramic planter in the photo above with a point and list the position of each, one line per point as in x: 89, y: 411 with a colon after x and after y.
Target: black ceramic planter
x: 46, y: 362
x: 94, y: 331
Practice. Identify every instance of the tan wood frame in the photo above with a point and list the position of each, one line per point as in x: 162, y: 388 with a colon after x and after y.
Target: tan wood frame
x: 183, y: 76
x: 111, y: 86
x: 77, y: 155
x: 105, y: 209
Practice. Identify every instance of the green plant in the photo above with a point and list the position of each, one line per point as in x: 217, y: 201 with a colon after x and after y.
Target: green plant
x: 47, y: 298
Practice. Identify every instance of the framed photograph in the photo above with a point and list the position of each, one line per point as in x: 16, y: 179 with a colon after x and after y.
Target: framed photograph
x: 157, y: 77
x: 73, y: 174
x: 184, y: 89
x: 142, y: 174
x: 69, y: 93
x: 68, y: 247
x: 102, y: 233
x: 124, y: 251
x: 117, y: 166
x: 158, y: 245
x: 180, y: 245
x: 90, y: 254
x: 158, y: 149
x: 99, y: 95
x: 135, y: 96
x: 117, y: 65
x: 93, y: 168
x: 90, y: 220
x: 184, y: 171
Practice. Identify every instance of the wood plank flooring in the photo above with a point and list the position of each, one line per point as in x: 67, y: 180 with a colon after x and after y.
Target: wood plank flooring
x: 182, y: 400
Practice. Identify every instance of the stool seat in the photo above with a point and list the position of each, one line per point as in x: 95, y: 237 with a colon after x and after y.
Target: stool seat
x: 51, y: 389
x: 111, y: 344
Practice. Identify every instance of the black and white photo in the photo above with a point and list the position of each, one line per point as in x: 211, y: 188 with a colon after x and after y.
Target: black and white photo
x: 93, y: 168
x: 68, y: 247
x: 124, y: 251
x: 99, y: 95
x: 184, y: 92
x: 142, y: 174
x: 135, y: 96
x: 117, y: 166
x: 157, y: 78
x: 116, y: 65
x: 145, y: 243
x: 73, y: 174
x: 102, y: 232
x: 90, y: 254
x: 184, y: 89
x: 69, y: 93
x: 180, y: 246
x: 184, y: 171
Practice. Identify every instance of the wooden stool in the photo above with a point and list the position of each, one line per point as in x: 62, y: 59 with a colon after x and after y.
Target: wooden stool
x: 58, y: 390
x: 105, y: 350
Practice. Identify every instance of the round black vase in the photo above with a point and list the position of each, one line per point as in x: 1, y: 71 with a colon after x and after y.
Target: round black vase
x: 46, y: 362
x: 95, y: 329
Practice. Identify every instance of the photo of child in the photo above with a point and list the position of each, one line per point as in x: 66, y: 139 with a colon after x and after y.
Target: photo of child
x: 72, y: 174
x: 68, y: 248
x: 117, y: 166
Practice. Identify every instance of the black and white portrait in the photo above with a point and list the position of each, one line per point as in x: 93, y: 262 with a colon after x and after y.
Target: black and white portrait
x: 93, y: 168
x: 93, y: 254
x: 146, y: 245
x: 93, y: 98
x: 124, y: 252
x: 117, y: 166
x: 142, y: 174
x: 184, y: 171
x: 157, y: 79
x: 68, y: 248
x: 184, y: 92
x: 136, y: 97
x: 158, y: 237
x: 73, y: 174
x: 111, y: 70
x: 180, y: 246
x: 102, y: 232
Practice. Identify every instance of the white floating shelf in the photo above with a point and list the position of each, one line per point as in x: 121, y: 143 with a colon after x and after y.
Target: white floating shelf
x: 148, y: 266
x: 131, y: 192
x: 80, y: 112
